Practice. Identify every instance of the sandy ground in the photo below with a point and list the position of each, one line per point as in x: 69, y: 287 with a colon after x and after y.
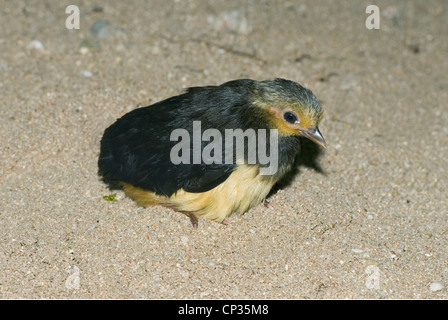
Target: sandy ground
x: 366, y: 218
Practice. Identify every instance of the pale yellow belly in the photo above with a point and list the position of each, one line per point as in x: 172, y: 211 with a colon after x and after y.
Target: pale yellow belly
x: 243, y: 189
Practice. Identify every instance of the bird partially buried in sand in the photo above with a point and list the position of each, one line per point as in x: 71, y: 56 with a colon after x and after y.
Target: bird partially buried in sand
x: 188, y: 152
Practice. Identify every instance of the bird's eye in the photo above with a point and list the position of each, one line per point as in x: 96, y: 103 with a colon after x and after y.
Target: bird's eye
x: 290, y: 117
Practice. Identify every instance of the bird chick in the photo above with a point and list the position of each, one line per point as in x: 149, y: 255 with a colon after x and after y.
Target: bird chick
x: 183, y: 152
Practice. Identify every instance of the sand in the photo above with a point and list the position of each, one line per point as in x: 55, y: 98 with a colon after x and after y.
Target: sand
x: 364, y: 219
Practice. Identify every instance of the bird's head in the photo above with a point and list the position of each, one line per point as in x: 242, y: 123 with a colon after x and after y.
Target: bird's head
x: 290, y: 108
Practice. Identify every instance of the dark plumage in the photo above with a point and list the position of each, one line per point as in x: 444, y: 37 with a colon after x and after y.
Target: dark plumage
x: 136, y: 149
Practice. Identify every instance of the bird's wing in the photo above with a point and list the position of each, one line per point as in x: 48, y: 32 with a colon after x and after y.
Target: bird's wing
x: 136, y: 150
x: 210, y: 176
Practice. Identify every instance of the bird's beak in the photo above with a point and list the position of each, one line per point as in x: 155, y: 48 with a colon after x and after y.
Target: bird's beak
x: 315, y: 136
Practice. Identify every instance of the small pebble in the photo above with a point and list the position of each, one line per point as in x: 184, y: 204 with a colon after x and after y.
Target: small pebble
x: 87, y: 74
x: 98, y: 26
x: 184, y: 240
x: 83, y: 50
x: 436, y: 286
x: 35, y: 45
x: 90, y: 44
x: 369, y: 261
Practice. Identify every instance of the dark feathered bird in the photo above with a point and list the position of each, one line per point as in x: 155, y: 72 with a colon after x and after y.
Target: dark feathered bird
x: 144, y: 151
